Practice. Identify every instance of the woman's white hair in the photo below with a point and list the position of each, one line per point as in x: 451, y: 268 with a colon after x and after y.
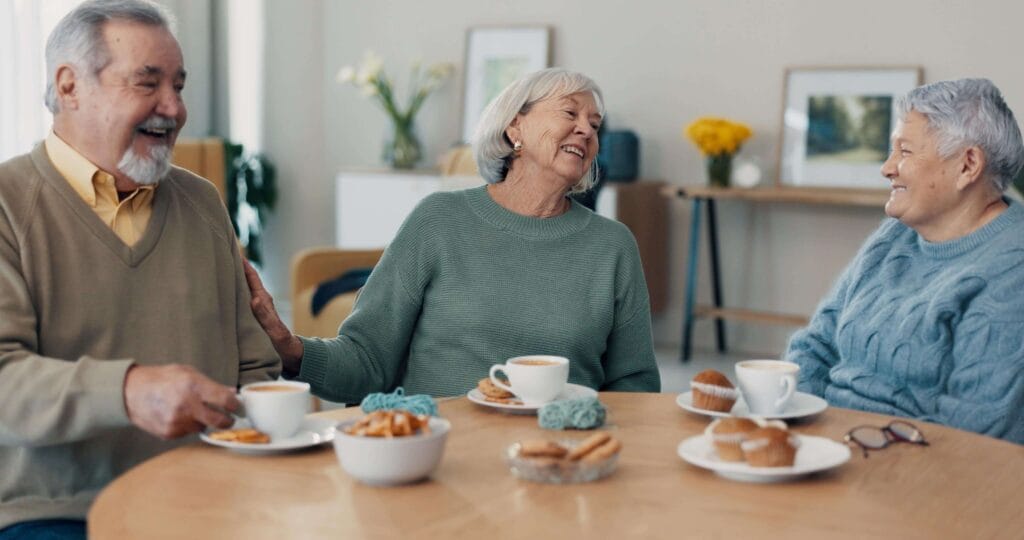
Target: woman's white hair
x: 492, y: 148
x: 970, y: 112
x: 78, y: 37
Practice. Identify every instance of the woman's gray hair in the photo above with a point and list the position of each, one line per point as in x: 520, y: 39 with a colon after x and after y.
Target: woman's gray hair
x: 970, y: 112
x: 78, y: 37
x: 491, y: 147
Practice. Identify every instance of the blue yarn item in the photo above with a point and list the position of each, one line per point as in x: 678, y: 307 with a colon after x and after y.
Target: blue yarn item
x: 417, y: 404
x: 581, y: 413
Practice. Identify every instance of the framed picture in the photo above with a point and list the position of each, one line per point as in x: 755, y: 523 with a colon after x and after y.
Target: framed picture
x: 494, y: 58
x: 836, y: 124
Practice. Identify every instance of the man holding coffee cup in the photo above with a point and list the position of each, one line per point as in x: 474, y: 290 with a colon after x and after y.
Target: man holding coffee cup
x: 123, y: 306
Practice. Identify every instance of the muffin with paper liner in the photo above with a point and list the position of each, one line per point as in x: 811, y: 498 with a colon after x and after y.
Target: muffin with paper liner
x: 713, y: 391
x: 770, y: 447
x: 727, y: 434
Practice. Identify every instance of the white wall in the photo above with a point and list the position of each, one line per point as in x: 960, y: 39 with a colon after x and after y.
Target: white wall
x: 195, y: 36
x: 294, y: 139
x: 660, y: 64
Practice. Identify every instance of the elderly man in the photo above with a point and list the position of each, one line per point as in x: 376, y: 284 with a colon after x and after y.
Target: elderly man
x: 124, y: 312
x: 928, y: 320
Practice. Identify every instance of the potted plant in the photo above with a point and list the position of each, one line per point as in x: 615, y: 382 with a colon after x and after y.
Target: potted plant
x: 251, y: 194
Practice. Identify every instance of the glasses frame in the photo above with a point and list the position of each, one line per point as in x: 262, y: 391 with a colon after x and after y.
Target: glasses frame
x: 890, y: 435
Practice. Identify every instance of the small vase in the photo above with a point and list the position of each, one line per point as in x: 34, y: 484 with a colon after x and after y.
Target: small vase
x: 719, y: 170
x: 402, y: 150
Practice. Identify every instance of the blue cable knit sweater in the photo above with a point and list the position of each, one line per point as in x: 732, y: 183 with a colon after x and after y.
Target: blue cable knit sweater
x: 933, y: 331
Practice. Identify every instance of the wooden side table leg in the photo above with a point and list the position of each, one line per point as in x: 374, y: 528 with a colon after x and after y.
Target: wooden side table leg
x: 691, y: 279
x: 716, y: 277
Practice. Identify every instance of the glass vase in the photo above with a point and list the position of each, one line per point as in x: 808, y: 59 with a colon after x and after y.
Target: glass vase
x: 402, y: 150
x: 719, y: 170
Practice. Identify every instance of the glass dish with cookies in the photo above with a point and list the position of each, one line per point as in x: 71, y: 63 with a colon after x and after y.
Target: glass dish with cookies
x: 565, y: 461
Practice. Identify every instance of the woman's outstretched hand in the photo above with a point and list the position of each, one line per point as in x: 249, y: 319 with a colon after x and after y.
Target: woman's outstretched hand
x: 287, y: 345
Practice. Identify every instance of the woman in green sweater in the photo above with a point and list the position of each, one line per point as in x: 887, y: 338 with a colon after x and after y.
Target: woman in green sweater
x: 511, y: 268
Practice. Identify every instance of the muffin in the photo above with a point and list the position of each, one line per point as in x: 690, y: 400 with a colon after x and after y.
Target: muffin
x: 713, y: 391
x: 726, y: 435
x: 770, y: 447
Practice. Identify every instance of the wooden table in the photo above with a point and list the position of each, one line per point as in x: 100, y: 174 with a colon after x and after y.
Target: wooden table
x: 963, y: 485
x: 706, y: 196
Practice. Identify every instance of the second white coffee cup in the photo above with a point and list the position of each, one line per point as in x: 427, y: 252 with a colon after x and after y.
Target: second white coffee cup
x: 276, y: 408
x: 767, y: 385
x: 535, y: 379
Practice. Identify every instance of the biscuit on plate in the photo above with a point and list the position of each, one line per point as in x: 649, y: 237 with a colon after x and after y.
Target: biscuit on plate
x: 487, y: 387
x: 244, y: 435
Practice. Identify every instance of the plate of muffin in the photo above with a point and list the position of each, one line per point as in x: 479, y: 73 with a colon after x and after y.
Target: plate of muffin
x: 756, y: 450
x: 713, y: 394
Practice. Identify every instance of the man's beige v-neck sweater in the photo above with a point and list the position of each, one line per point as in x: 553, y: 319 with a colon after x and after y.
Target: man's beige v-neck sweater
x: 78, y: 306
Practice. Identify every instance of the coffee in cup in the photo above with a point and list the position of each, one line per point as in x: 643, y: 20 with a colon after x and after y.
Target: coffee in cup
x: 535, y: 379
x: 276, y: 408
x: 767, y: 385
x: 273, y: 388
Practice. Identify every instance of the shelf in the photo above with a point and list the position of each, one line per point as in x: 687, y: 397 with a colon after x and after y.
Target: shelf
x: 846, y: 197
x: 748, y: 315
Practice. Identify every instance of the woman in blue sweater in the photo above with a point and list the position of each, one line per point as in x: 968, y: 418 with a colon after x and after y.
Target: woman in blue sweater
x: 927, y: 321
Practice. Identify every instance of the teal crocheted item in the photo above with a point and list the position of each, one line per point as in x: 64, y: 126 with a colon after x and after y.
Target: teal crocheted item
x: 582, y: 413
x: 417, y: 404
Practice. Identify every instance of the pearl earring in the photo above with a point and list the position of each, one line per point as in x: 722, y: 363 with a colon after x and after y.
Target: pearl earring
x: 517, y: 147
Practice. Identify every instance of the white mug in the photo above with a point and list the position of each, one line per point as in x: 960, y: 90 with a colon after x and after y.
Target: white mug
x: 767, y: 385
x: 535, y: 379
x: 276, y: 408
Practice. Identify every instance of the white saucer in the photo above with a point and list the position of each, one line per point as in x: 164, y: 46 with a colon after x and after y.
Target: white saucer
x: 815, y: 454
x: 571, y: 391
x: 314, y: 431
x: 800, y: 405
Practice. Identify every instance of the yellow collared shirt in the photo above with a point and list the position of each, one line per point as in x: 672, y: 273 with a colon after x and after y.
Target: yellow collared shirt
x: 128, y: 217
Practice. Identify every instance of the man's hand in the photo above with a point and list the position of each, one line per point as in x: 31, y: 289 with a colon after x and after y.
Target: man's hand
x: 288, y: 347
x: 174, y: 400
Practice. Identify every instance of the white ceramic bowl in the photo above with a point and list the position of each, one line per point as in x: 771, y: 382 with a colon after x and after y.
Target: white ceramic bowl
x: 391, y: 461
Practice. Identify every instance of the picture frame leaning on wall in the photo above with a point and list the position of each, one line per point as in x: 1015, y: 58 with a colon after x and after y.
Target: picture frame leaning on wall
x: 836, y: 123
x: 496, y: 56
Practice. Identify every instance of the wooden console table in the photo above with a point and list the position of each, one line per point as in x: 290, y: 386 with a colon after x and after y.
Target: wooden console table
x: 706, y: 196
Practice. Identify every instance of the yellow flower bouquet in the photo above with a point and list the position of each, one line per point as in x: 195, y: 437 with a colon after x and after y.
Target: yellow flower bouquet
x: 718, y: 139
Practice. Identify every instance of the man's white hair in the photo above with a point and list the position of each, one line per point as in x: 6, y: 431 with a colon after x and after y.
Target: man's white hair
x: 78, y: 37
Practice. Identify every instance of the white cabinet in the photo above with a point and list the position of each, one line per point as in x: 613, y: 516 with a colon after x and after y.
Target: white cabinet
x: 371, y: 205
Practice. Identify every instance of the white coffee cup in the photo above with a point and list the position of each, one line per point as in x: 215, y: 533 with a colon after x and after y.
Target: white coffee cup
x: 276, y: 408
x: 535, y: 379
x: 767, y: 385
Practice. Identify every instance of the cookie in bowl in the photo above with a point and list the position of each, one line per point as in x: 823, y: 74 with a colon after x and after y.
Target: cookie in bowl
x: 712, y: 391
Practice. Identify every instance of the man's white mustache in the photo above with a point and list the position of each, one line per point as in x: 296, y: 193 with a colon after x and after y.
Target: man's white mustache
x: 158, y: 122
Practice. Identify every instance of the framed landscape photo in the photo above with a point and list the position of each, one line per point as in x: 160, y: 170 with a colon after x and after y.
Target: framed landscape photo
x: 836, y: 124
x: 494, y: 58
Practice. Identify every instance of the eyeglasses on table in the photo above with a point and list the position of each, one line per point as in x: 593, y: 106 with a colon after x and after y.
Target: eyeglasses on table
x: 877, y: 438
